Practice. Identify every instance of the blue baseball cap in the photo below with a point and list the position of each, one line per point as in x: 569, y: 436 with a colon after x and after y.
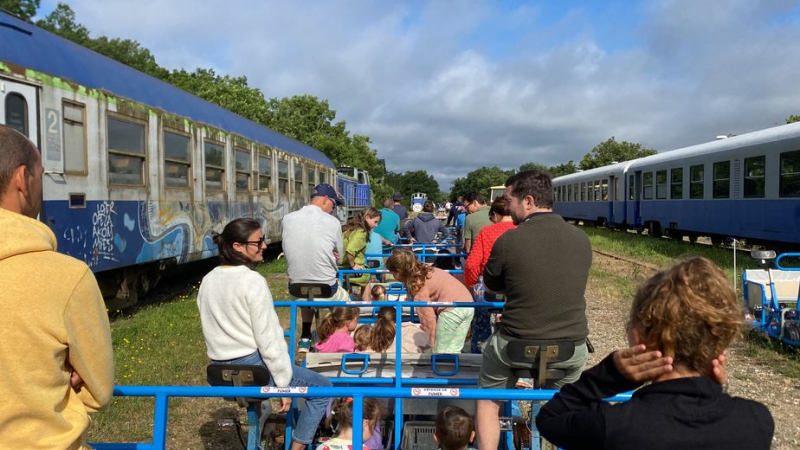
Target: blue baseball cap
x: 326, y: 190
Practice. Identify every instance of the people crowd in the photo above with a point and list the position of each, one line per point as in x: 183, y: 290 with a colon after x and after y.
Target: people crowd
x: 520, y: 252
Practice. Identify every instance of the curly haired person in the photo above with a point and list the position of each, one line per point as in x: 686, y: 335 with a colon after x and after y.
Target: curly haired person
x: 681, y: 322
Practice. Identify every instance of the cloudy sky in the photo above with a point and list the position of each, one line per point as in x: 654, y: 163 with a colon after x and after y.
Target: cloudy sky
x: 450, y: 86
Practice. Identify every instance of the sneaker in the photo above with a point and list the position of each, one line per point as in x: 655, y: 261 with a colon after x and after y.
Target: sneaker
x: 304, y: 346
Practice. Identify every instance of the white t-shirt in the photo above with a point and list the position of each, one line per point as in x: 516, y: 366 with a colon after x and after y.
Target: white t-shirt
x: 238, y: 318
x: 310, y: 236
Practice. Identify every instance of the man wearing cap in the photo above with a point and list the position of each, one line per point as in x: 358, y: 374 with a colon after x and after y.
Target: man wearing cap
x: 399, y: 209
x: 312, y: 244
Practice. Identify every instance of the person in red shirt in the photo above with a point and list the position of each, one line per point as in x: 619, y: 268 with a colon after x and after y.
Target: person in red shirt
x: 476, y: 262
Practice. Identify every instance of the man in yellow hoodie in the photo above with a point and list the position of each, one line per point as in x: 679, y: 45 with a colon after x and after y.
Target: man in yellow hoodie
x: 56, y: 359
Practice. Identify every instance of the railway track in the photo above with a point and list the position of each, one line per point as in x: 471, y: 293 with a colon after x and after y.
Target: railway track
x: 645, y: 265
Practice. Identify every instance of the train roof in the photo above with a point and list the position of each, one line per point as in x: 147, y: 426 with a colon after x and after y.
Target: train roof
x: 777, y: 133
x: 592, y: 173
x: 26, y: 45
x: 782, y: 132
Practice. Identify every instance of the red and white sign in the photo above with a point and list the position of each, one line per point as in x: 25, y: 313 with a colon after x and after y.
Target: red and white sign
x: 286, y: 390
x: 435, y: 392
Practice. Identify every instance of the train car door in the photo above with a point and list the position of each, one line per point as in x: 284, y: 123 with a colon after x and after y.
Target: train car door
x: 636, y: 197
x: 19, y: 108
x: 612, y: 195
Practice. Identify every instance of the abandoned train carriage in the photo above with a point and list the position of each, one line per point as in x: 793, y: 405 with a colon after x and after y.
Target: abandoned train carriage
x: 139, y: 173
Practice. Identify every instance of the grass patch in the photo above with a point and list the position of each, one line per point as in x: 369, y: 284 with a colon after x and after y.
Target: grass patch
x: 772, y: 353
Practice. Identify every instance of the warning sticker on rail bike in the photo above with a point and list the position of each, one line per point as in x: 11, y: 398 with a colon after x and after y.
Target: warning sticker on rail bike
x: 435, y: 392
x: 359, y: 303
x: 440, y: 304
x: 286, y: 390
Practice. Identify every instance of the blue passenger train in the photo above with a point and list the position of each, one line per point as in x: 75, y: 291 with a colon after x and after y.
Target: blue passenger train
x: 139, y: 173
x: 745, y: 187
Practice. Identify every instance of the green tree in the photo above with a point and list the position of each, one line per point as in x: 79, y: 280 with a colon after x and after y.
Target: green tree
x: 130, y: 53
x: 611, y: 151
x: 793, y: 118
x: 25, y: 9
x: 231, y: 93
x: 563, y: 169
x: 419, y: 181
x: 61, y: 21
x: 534, y: 166
x: 480, y: 180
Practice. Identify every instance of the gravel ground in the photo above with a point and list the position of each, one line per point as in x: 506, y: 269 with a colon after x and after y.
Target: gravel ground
x: 747, y: 378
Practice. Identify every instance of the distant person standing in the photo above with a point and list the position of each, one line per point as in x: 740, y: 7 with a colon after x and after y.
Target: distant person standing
x: 425, y: 226
x: 389, y: 226
x: 312, y: 244
x: 57, y: 358
x: 453, y: 210
x: 477, y: 218
x: 399, y: 209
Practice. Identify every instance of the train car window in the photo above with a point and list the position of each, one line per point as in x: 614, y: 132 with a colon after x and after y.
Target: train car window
x: 583, y: 192
x: 177, y: 159
x: 264, y: 172
x: 243, y: 164
x: 74, y: 138
x: 215, y: 166
x: 676, y: 183
x: 298, y: 179
x: 576, y: 191
x: 17, y: 112
x: 661, y: 184
x: 647, y: 182
x: 323, y: 177
x: 722, y: 179
x: 312, y: 179
x: 596, y: 195
x: 754, y: 171
x: 126, y: 150
x: 631, y: 187
x: 283, y: 177
x: 604, y: 190
x: 790, y: 174
x: 617, y: 194
x: 696, y: 181
x: 569, y: 193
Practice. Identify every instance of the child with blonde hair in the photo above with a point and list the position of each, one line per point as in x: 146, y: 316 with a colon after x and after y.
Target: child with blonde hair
x: 335, y: 328
x: 341, y: 419
x: 363, y: 338
x: 681, y: 322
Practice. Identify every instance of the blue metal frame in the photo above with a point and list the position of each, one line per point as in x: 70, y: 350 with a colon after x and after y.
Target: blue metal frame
x: 163, y: 393
x: 772, y: 317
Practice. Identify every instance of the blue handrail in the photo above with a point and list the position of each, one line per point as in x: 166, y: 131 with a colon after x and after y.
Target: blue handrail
x: 163, y: 393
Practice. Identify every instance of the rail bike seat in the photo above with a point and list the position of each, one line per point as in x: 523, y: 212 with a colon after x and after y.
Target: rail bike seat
x: 540, y: 353
x: 238, y: 375
x: 310, y: 290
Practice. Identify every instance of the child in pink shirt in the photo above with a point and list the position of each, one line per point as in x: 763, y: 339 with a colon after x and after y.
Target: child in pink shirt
x: 334, y: 330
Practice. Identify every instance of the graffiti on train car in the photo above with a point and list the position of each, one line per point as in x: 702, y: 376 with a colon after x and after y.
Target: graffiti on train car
x: 121, y: 233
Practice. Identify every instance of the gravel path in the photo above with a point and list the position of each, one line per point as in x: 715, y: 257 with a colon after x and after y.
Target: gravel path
x: 747, y: 377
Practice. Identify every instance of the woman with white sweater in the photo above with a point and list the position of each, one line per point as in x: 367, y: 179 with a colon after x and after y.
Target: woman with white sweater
x: 240, y: 325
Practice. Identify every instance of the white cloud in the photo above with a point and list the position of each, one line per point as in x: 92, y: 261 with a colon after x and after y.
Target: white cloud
x: 431, y: 96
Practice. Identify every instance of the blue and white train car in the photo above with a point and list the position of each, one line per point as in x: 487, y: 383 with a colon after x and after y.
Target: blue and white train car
x: 595, y: 196
x: 745, y: 187
x: 139, y: 173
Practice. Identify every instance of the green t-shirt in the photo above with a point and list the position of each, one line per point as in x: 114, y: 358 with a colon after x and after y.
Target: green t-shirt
x: 475, y: 223
x: 355, y: 243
